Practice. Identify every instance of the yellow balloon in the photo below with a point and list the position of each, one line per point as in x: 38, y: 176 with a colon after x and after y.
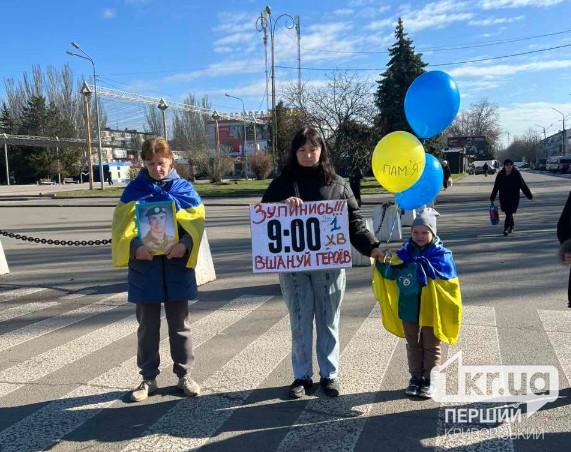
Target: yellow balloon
x: 398, y: 161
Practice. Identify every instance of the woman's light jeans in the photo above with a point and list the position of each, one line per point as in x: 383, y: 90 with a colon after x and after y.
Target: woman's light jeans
x: 314, y: 294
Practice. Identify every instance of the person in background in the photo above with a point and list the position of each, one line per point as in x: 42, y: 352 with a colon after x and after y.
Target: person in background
x: 509, y: 182
x: 447, y: 173
x: 355, y: 183
x: 485, y: 167
x: 564, y: 236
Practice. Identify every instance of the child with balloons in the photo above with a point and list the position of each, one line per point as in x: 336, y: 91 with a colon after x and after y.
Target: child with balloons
x: 418, y: 288
x: 420, y: 299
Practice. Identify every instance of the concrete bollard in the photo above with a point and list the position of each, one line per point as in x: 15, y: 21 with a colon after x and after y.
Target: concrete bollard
x: 3, y: 262
x: 204, y: 270
x: 408, y: 217
x: 357, y: 259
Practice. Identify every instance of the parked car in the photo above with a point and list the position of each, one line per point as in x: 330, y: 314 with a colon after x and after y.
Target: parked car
x: 552, y: 164
x: 478, y: 166
x: 564, y: 164
x: 540, y: 165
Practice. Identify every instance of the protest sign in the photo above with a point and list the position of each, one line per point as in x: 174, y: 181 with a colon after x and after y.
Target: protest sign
x: 314, y: 236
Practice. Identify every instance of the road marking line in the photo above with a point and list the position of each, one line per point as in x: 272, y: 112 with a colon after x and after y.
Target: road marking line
x: 62, y: 416
x: 81, y: 293
x: 18, y: 293
x: 338, y: 423
x: 557, y: 325
x: 20, y: 310
x: 35, y: 330
x: 480, y: 344
x: 192, y: 421
x: 33, y: 369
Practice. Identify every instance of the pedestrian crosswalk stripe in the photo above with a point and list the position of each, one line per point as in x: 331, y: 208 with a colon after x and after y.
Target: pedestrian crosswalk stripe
x: 17, y: 376
x: 191, y: 422
x: 13, y: 294
x: 20, y: 310
x: 38, y: 329
x: 60, y: 417
x: 338, y: 422
x: 557, y: 325
x: 76, y: 295
x: 478, y: 328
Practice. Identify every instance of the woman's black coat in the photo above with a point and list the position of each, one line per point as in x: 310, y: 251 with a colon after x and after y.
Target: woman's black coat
x: 509, y: 187
x: 311, y: 188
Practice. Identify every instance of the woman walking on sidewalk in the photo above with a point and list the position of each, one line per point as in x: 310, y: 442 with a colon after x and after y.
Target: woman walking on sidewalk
x: 509, y: 182
x: 309, y: 176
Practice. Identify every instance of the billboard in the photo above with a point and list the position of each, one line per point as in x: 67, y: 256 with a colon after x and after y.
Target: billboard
x: 231, y: 135
x: 472, y: 145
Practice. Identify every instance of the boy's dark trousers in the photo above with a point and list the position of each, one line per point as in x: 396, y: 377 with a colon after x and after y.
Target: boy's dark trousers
x: 422, y: 349
x: 148, y: 337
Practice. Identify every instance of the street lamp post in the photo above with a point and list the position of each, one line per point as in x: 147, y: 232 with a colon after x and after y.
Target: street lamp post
x: 162, y: 107
x: 6, y: 159
x: 244, y: 123
x: 563, y: 131
x: 263, y: 23
x: 216, y: 118
x: 86, y: 94
x: 544, y: 144
x: 85, y: 56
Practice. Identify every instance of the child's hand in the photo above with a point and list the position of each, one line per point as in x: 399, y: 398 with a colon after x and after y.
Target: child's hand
x: 567, y: 258
x: 143, y: 254
x: 177, y: 251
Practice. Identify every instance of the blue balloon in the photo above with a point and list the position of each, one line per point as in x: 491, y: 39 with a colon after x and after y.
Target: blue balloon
x: 431, y: 103
x: 425, y: 189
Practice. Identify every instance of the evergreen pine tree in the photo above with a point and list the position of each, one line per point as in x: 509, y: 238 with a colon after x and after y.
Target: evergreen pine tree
x: 403, y: 67
x: 7, y: 123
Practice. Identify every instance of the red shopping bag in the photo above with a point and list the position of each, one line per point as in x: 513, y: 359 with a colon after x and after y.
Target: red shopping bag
x: 494, y: 214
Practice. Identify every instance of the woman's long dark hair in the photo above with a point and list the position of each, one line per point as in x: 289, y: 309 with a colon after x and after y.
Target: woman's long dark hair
x: 308, y: 134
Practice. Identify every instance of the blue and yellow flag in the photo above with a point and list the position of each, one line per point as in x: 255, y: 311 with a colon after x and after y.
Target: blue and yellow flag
x: 188, y: 205
x: 440, y: 299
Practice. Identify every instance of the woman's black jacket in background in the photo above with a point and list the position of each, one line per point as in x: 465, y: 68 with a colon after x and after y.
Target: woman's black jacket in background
x: 564, y: 223
x: 311, y: 188
x: 509, y: 187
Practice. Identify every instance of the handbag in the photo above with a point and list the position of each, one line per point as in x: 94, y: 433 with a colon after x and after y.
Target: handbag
x: 494, y: 214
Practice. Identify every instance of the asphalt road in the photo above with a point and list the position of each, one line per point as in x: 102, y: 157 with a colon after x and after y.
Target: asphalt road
x: 67, y: 340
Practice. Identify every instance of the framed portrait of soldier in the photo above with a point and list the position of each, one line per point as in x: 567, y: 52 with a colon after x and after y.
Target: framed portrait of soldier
x: 157, y: 226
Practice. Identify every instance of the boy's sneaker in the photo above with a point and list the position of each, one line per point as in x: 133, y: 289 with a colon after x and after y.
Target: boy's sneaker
x: 142, y: 391
x: 188, y: 386
x: 298, y: 387
x: 426, y: 389
x: 330, y: 386
x: 413, y: 388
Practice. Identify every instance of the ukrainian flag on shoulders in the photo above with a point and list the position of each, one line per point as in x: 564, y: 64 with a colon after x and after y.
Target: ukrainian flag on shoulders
x: 190, y: 212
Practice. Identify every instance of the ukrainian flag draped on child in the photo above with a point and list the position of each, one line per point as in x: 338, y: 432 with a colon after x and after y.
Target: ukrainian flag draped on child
x: 188, y: 206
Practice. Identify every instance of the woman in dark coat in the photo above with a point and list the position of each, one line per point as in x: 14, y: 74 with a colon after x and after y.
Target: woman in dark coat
x: 564, y: 236
x: 446, y: 172
x: 509, y: 182
x: 309, y: 295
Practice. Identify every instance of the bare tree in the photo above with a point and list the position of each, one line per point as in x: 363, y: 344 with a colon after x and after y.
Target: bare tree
x: 153, y: 120
x: 342, y: 104
x: 527, y: 146
x: 481, y: 119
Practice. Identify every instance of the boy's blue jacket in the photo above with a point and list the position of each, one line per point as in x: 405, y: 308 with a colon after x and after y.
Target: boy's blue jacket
x: 159, y: 280
x: 440, y: 299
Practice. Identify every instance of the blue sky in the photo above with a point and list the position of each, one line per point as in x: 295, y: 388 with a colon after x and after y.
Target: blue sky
x: 168, y: 48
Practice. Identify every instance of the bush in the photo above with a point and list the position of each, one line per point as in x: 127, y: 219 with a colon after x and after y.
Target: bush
x: 133, y: 173
x: 261, y: 165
